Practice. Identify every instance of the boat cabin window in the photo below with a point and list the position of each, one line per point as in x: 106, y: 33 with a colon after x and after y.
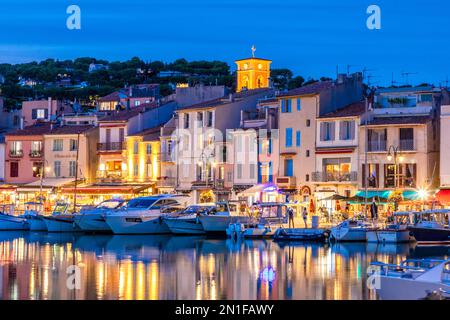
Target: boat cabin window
x: 198, y: 209
x: 60, y: 209
x: 164, y: 203
x: 110, y: 204
x: 141, y: 203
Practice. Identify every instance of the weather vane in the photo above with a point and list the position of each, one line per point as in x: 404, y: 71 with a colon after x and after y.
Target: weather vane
x: 253, y: 51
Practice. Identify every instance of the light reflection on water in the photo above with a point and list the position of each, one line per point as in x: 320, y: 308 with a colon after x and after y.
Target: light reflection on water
x: 33, y: 266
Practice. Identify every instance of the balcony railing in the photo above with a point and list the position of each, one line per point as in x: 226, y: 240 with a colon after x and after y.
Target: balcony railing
x: 36, y: 153
x: 334, y: 176
x: 406, y: 145
x: 111, y: 176
x: 111, y: 146
x: 375, y: 146
x: 16, y: 153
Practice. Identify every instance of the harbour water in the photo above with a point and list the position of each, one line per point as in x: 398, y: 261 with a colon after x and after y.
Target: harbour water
x: 35, y: 266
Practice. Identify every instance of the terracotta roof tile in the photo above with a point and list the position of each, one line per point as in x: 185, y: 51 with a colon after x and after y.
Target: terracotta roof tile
x: 352, y: 110
x: 313, y: 88
x: 35, y: 130
x: 70, y: 129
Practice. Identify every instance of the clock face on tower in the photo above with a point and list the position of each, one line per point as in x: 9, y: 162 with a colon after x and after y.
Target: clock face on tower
x: 245, y: 66
x: 259, y: 66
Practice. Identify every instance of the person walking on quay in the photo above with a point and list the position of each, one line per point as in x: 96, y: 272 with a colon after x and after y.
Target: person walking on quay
x: 374, y: 210
x: 291, y: 217
x: 305, y: 216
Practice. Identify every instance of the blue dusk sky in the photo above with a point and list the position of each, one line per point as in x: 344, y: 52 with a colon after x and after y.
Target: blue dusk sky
x: 310, y: 37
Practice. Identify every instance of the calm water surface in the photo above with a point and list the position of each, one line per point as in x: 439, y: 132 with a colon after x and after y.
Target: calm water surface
x: 34, y: 266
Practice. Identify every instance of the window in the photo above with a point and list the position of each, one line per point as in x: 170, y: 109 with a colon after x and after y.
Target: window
x: 299, y: 105
x: 149, y: 169
x: 14, y: 169
x: 286, y: 106
x: 200, y: 119
x: 39, y: 114
x: 57, y: 168
x: 186, y: 121
x: 298, y: 138
x: 288, y: 142
x: 308, y: 123
x: 58, y: 145
x: 406, y: 138
x: 73, y: 145
x: 135, y: 170
x: 149, y: 148
x: 16, y: 147
x: 37, y: 169
x: 376, y: 139
x: 370, y: 176
x: 108, y: 135
x: 121, y: 134
x: 425, y: 98
x: 229, y: 176
x: 269, y: 146
x: 307, y: 178
x: 239, y: 170
x: 72, y: 168
x: 405, y: 177
x: 137, y: 103
x: 337, y: 169
x: 307, y: 153
x: 209, y: 119
x: 347, y: 130
x: 252, y: 170
x: 135, y: 147
x: 326, y: 131
x: 288, y: 168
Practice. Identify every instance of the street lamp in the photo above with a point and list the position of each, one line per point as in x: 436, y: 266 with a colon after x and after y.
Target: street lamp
x: 43, y: 169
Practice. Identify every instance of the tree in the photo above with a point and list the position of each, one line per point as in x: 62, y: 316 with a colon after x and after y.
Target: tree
x: 281, y: 78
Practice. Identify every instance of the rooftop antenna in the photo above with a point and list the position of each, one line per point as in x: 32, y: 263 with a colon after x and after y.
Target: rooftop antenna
x: 364, y: 71
x: 405, y: 75
x: 350, y: 66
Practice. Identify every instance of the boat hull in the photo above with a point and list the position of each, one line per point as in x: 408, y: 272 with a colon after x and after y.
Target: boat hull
x: 36, y: 223
x: 56, y: 224
x: 184, y: 226
x: 314, y: 235
x: 351, y: 235
x: 12, y: 223
x: 137, y: 225
x: 92, y: 223
x: 219, y: 224
x: 391, y: 288
x: 431, y: 235
x: 389, y: 236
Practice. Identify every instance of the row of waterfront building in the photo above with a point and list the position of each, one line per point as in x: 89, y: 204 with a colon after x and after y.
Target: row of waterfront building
x: 316, y: 145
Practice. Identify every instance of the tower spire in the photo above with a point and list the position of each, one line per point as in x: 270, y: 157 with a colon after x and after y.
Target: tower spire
x: 253, y: 50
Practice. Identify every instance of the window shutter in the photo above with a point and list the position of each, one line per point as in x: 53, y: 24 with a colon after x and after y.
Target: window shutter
x: 342, y: 130
x: 352, y: 129
x: 46, y: 113
x: 298, y: 138
x: 299, y: 106
x: 364, y: 175
x: 283, y: 106
x: 332, y: 126
x: 34, y: 114
x: 322, y: 131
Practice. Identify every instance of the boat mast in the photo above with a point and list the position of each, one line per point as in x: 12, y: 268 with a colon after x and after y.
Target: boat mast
x: 76, y: 175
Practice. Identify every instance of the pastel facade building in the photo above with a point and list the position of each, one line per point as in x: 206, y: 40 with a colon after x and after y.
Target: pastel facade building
x: 43, y: 110
x: 253, y: 73
x: 129, y: 97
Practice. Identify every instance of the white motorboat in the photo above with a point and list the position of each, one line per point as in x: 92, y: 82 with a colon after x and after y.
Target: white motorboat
x: 142, y: 215
x: 411, y: 280
x: 394, y: 233
x: 219, y: 220
x: 61, y: 219
x: 250, y: 230
x: 432, y: 226
x: 187, y: 221
x: 92, y: 219
x: 10, y: 222
x: 351, y: 230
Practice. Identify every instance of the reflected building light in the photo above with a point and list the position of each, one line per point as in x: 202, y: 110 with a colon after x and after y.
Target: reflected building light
x: 140, y: 281
x: 100, y: 283
x: 154, y: 280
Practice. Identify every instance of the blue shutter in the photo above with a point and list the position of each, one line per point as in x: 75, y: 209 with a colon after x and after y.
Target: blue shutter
x: 289, y: 105
x: 269, y: 151
x: 288, y: 137
x: 289, y: 170
x: 259, y: 173
x: 283, y: 106
x: 298, y: 138
x: 299, y: 106
x: 270, y: 172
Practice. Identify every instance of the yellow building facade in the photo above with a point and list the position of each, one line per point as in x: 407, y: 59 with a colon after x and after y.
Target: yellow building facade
x: 142, y: 158
x: 252, y: 73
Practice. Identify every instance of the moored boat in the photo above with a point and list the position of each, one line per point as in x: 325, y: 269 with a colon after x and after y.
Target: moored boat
x: 92, y: 219
x: 142, y: 215
x: 301, y: 234
x: 10, y: 222
x: 218, y: 221
x: 432, y: 227
x: 351, y: 230
x: 61, y: 219
x: 411, y: 280
x: 250, y: 230
x: 187, y: 221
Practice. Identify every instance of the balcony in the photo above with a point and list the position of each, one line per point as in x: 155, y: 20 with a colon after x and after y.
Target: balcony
x: 376, y: 146
x: 36, y: 154
x: 334, y: 176
x: 105, y: 176
x: 15, y: 153
x: 286, y: 182
x: 253, y: 119
x: 167, y: 157
x: 407, y: 145
x: 111, y: 146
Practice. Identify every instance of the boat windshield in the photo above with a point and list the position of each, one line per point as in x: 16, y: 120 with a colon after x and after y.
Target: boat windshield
x: 141, y: 203
x: 110, y: 204
x: 198, y: 209
x: 60, y: 208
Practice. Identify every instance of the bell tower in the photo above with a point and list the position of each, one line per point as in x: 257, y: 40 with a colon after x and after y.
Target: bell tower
x: 252, y: 73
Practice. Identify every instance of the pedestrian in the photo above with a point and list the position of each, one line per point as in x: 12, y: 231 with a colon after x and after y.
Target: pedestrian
x: 291, y: 217
x: 305, y: 216
x: 374, y: 209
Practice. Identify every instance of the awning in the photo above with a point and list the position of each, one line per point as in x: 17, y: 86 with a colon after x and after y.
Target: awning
x: 384, y: 194
x: 443, y: 196
x: 105, y: 189
x: 47, y: 183
x: 268, y: 187
x: 411, y: 195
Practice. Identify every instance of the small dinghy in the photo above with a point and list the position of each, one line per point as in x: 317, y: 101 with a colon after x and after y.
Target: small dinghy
x: 301, y: 234
x: 351, y: 230
x: 250, y: 230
